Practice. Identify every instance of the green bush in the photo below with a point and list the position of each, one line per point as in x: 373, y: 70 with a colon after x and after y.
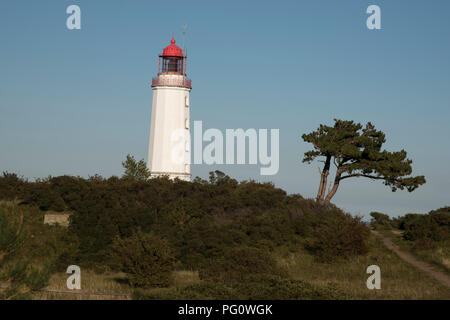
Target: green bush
x: 237, y: 264
x: 200, y: 291
x: 256, y: 287
x: 45, y: 196
x: 426, y: 228
x: 32, y: 238
x: 380, y: 220
x: 23, y: 278
x: 147, y: 259
x: 11, y: 186
x: 12, y: 229
x: 338, y: 235
x: 265, y: 287
x: 200, y: 220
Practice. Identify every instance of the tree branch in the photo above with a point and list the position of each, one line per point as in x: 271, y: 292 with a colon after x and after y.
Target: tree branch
x: 362, y: 175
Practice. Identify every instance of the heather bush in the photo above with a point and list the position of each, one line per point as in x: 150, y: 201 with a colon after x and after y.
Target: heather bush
x: 199, y: 291
x: 426, y: 228
x: 11, y: 186
x: 337, y: 235
x: 200, y: 220
x: 256, y: 287
x: 264, y: 287
x: 146, y: 258
x: 237, y: 264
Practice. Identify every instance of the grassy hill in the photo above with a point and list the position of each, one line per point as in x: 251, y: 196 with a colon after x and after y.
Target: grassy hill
x: 216, y: 239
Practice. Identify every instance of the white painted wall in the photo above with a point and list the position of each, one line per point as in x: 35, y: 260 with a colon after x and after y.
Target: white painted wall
x: 170, y: 112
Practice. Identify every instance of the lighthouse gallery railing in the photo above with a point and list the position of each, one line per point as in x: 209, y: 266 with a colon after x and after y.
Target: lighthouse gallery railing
x: 172, y: 82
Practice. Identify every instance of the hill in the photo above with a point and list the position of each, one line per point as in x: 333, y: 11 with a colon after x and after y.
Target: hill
x: 216, y: 239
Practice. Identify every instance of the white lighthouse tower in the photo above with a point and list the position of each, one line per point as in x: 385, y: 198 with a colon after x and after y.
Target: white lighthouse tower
x: 169, y: 150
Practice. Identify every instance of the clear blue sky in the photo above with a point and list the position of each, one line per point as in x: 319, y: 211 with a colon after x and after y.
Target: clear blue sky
x: 76, y: 102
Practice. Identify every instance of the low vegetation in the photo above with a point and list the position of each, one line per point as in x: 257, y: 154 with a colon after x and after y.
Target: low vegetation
x: 147, y: 259
x: 21, y: 277
x: 426, y: 236
x: 216, y: 239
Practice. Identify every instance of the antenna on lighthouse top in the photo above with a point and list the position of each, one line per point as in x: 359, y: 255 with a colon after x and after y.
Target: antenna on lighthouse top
x: 184, y: 36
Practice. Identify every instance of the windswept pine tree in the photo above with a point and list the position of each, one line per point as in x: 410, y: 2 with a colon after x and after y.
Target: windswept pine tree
x: 356, y: 151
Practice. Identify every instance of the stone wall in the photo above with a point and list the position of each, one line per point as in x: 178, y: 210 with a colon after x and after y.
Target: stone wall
x: 53, y: 219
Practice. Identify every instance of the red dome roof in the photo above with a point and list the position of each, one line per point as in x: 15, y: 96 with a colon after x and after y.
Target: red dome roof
x: 172, y: 50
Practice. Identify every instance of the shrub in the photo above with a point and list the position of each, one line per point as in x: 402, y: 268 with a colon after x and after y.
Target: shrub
x: 21, y: 275
x: 147, y: 259
x: 338, y: 235
x: 417, y: 227
x: 259, y: 287
x: 45, y: 196
x: 200, y: 220
x: 434, y: 226
x: 276, y: 288
x: 380, y: 220
x: 237, y: 264
x: 200, y: 291
x: 12, y: 229
x: 11, y: 186
x: 424, y: 244
x: 23, y: 279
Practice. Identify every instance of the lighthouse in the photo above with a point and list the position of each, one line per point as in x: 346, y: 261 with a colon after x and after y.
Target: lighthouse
x: 169, y: 147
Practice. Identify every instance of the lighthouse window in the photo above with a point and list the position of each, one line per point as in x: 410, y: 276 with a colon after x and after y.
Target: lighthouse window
x: 173, y: 65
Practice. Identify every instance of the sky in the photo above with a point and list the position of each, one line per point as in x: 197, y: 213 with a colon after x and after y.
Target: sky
x: 77, y: 102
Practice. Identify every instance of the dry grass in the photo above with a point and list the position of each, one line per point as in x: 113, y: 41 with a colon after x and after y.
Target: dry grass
x: 438, y: 256
x: 185, y: 277
x: 103, y: 283
x: 399, y: 280
x: 90, y: 282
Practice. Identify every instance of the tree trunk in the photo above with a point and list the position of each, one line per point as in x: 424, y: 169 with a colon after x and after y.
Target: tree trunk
x: 323, y: 180
x: 332, y: 192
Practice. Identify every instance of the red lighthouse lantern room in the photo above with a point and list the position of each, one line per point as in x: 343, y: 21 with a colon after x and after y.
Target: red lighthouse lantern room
x: 172, y: 61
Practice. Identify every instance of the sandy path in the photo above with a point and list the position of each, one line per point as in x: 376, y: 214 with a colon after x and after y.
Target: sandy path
x: 425, y: 267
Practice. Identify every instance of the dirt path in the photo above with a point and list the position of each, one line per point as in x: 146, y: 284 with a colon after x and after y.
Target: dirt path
x: 425, y: 267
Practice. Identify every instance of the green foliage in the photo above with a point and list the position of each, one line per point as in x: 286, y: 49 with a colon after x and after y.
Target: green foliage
x: 199, y: 291
x: 237, y: 264
x: 11, y: 185
x: 380, y: 220
x: 12, y: 234
x: 225, y: 229
x: 22, y: 277
x: 356, y: 152
x: 135, y: 170
x: 36, y: 239
x: 337, y: 235
x: 45, y: 195
x: 201, y: 220
x: 147, y: 259
x: 256, y: 287
x: 428, y: 228
x: 263, y: 287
